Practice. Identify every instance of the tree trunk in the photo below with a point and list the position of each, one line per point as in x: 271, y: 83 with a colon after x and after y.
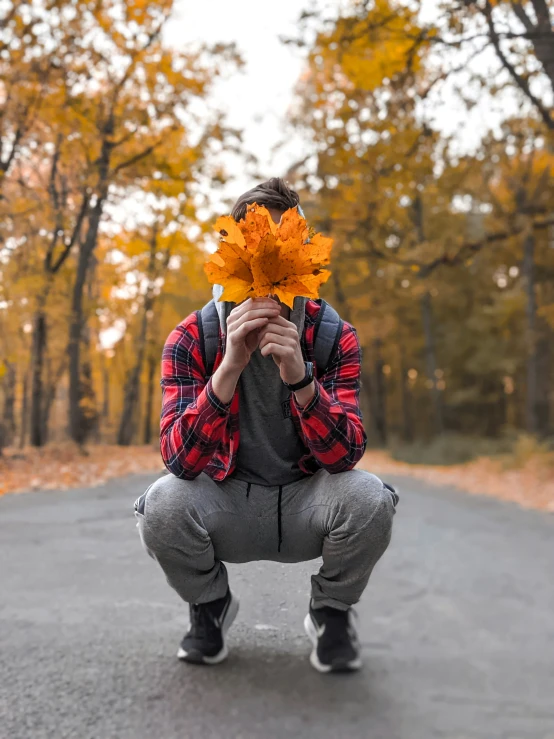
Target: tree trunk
x: 380, y: 395
x: 105, y: 391
x: 37, y: 373
x: 152, y: 364
x: 104, y: 425
x: 545, y: 369
x: 50, y: 392
x: 418, y: 218
x: 406, y: 398
x: 8, y: 420
x: 543, y: 42
x: 126, y: 429
x: 367, y: 384
x: 130, y: 401
x: 49, y: 398
x: 24, y: 411
x: 531, y: 401
x: 431, y: 363
x: 77, y: 426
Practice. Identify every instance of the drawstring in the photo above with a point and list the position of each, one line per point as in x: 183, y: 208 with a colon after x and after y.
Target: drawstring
x: 279, y: 518
x: 248, y: 490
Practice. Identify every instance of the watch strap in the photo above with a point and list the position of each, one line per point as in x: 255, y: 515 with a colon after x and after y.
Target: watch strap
x: 308, y: 378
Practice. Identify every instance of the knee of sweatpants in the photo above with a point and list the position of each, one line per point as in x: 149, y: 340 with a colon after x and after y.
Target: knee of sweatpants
x: 364, y: 498
x: 165, y: 510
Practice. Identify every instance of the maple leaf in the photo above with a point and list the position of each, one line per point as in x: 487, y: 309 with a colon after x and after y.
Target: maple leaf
x: 256, y: 224
x: 230, y: 267
x: 257, y: 258
x: 229, y: 230
x: 285, y: 271
x: 319, y: 249
x: 292, y: 228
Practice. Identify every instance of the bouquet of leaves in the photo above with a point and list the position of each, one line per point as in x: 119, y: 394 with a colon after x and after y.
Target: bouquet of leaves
x: 257, y: 257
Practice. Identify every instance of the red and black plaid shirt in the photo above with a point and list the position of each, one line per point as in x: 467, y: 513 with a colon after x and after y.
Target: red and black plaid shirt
x: 199, y: 433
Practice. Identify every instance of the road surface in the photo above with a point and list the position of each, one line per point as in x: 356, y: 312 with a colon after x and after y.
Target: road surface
x: 457, y: 628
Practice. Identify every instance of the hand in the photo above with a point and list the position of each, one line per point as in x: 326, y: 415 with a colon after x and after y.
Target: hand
x: 280, y: 339
x: 243, y: 330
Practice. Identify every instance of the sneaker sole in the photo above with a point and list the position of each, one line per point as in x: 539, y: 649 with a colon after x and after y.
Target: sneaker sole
x: 195, y: 657
x: 346, y: 666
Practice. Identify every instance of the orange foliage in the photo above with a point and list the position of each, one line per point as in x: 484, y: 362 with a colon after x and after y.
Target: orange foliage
x: 257, y: 258
x: 531, y: 485
x: 63, y: 466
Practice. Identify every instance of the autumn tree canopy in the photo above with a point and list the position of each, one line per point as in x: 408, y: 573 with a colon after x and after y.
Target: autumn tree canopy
x: 96, y: 109
x: 428, y: 159
x: 444, y: 256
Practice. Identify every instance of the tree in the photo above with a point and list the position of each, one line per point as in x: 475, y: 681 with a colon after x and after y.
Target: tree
x: 386, y: 41
x: 522, y: 37
x: 424, y: 236
x: 134, y: 128
x: 76, y: 144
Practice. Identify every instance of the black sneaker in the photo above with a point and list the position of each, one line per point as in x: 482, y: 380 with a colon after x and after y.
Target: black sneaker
x: 333, y: 635
x: 204, y: 642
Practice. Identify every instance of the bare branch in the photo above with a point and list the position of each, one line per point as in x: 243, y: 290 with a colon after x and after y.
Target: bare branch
x: 464, y: 252
x: 523, y: 17
x: 52, y: 191
x: 518, y: 79
x: 543, y: 14
x: 137, y: 157
x: 68, y: 245
x: 124, y: 139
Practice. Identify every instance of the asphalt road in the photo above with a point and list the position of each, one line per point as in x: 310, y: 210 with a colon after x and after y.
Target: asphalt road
x: 457, y: 627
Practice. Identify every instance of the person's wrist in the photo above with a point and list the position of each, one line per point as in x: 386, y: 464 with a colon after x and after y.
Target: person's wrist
x: 224, y: 381
x: 295, y: 373
x: 230, y: 370
x: 305, y: 395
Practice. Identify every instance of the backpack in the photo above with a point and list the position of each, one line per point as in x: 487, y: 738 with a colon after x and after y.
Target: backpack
x: 327, y: 333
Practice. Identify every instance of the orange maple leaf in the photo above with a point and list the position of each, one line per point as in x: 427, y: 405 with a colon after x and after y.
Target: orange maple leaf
x: 255, y: 226
x: 257, y: 257
x: 230, y: 267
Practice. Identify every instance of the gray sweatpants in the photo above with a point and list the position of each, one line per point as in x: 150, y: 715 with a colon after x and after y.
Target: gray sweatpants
x: 191, y: 527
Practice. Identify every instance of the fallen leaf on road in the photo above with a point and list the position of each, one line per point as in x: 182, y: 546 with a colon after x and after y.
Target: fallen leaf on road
x: 63, y: 466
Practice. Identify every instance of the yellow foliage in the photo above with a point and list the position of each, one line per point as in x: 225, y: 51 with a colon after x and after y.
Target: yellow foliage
x: 378, y: 45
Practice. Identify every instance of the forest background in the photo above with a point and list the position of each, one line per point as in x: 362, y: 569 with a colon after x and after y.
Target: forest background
x: 115, y: 161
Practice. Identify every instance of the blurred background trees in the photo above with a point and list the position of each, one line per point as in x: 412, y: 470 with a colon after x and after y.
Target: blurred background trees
x: 98, y: 118
x: 444, y: 236
x: 444, y: 257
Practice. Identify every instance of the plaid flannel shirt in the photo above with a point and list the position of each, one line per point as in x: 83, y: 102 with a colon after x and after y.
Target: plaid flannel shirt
x: 199, y: 433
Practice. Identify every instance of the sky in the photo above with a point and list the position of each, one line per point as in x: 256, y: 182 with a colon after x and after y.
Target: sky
x: 256, y: 99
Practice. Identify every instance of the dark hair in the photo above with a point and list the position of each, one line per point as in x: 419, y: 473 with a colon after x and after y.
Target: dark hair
x: 274, y: 193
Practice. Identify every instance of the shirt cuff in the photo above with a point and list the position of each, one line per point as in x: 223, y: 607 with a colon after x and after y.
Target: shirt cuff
x: 218, y: 405
x: 305, y: 411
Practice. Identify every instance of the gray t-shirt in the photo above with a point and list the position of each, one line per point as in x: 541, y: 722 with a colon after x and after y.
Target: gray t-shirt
x: 270, y: 447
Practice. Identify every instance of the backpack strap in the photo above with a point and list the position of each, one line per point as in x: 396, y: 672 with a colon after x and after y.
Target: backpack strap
x: 327, y: 333
x: 208, y: 328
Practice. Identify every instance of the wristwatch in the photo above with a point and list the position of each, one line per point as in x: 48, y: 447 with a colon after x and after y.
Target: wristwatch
x: 308, y: 377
